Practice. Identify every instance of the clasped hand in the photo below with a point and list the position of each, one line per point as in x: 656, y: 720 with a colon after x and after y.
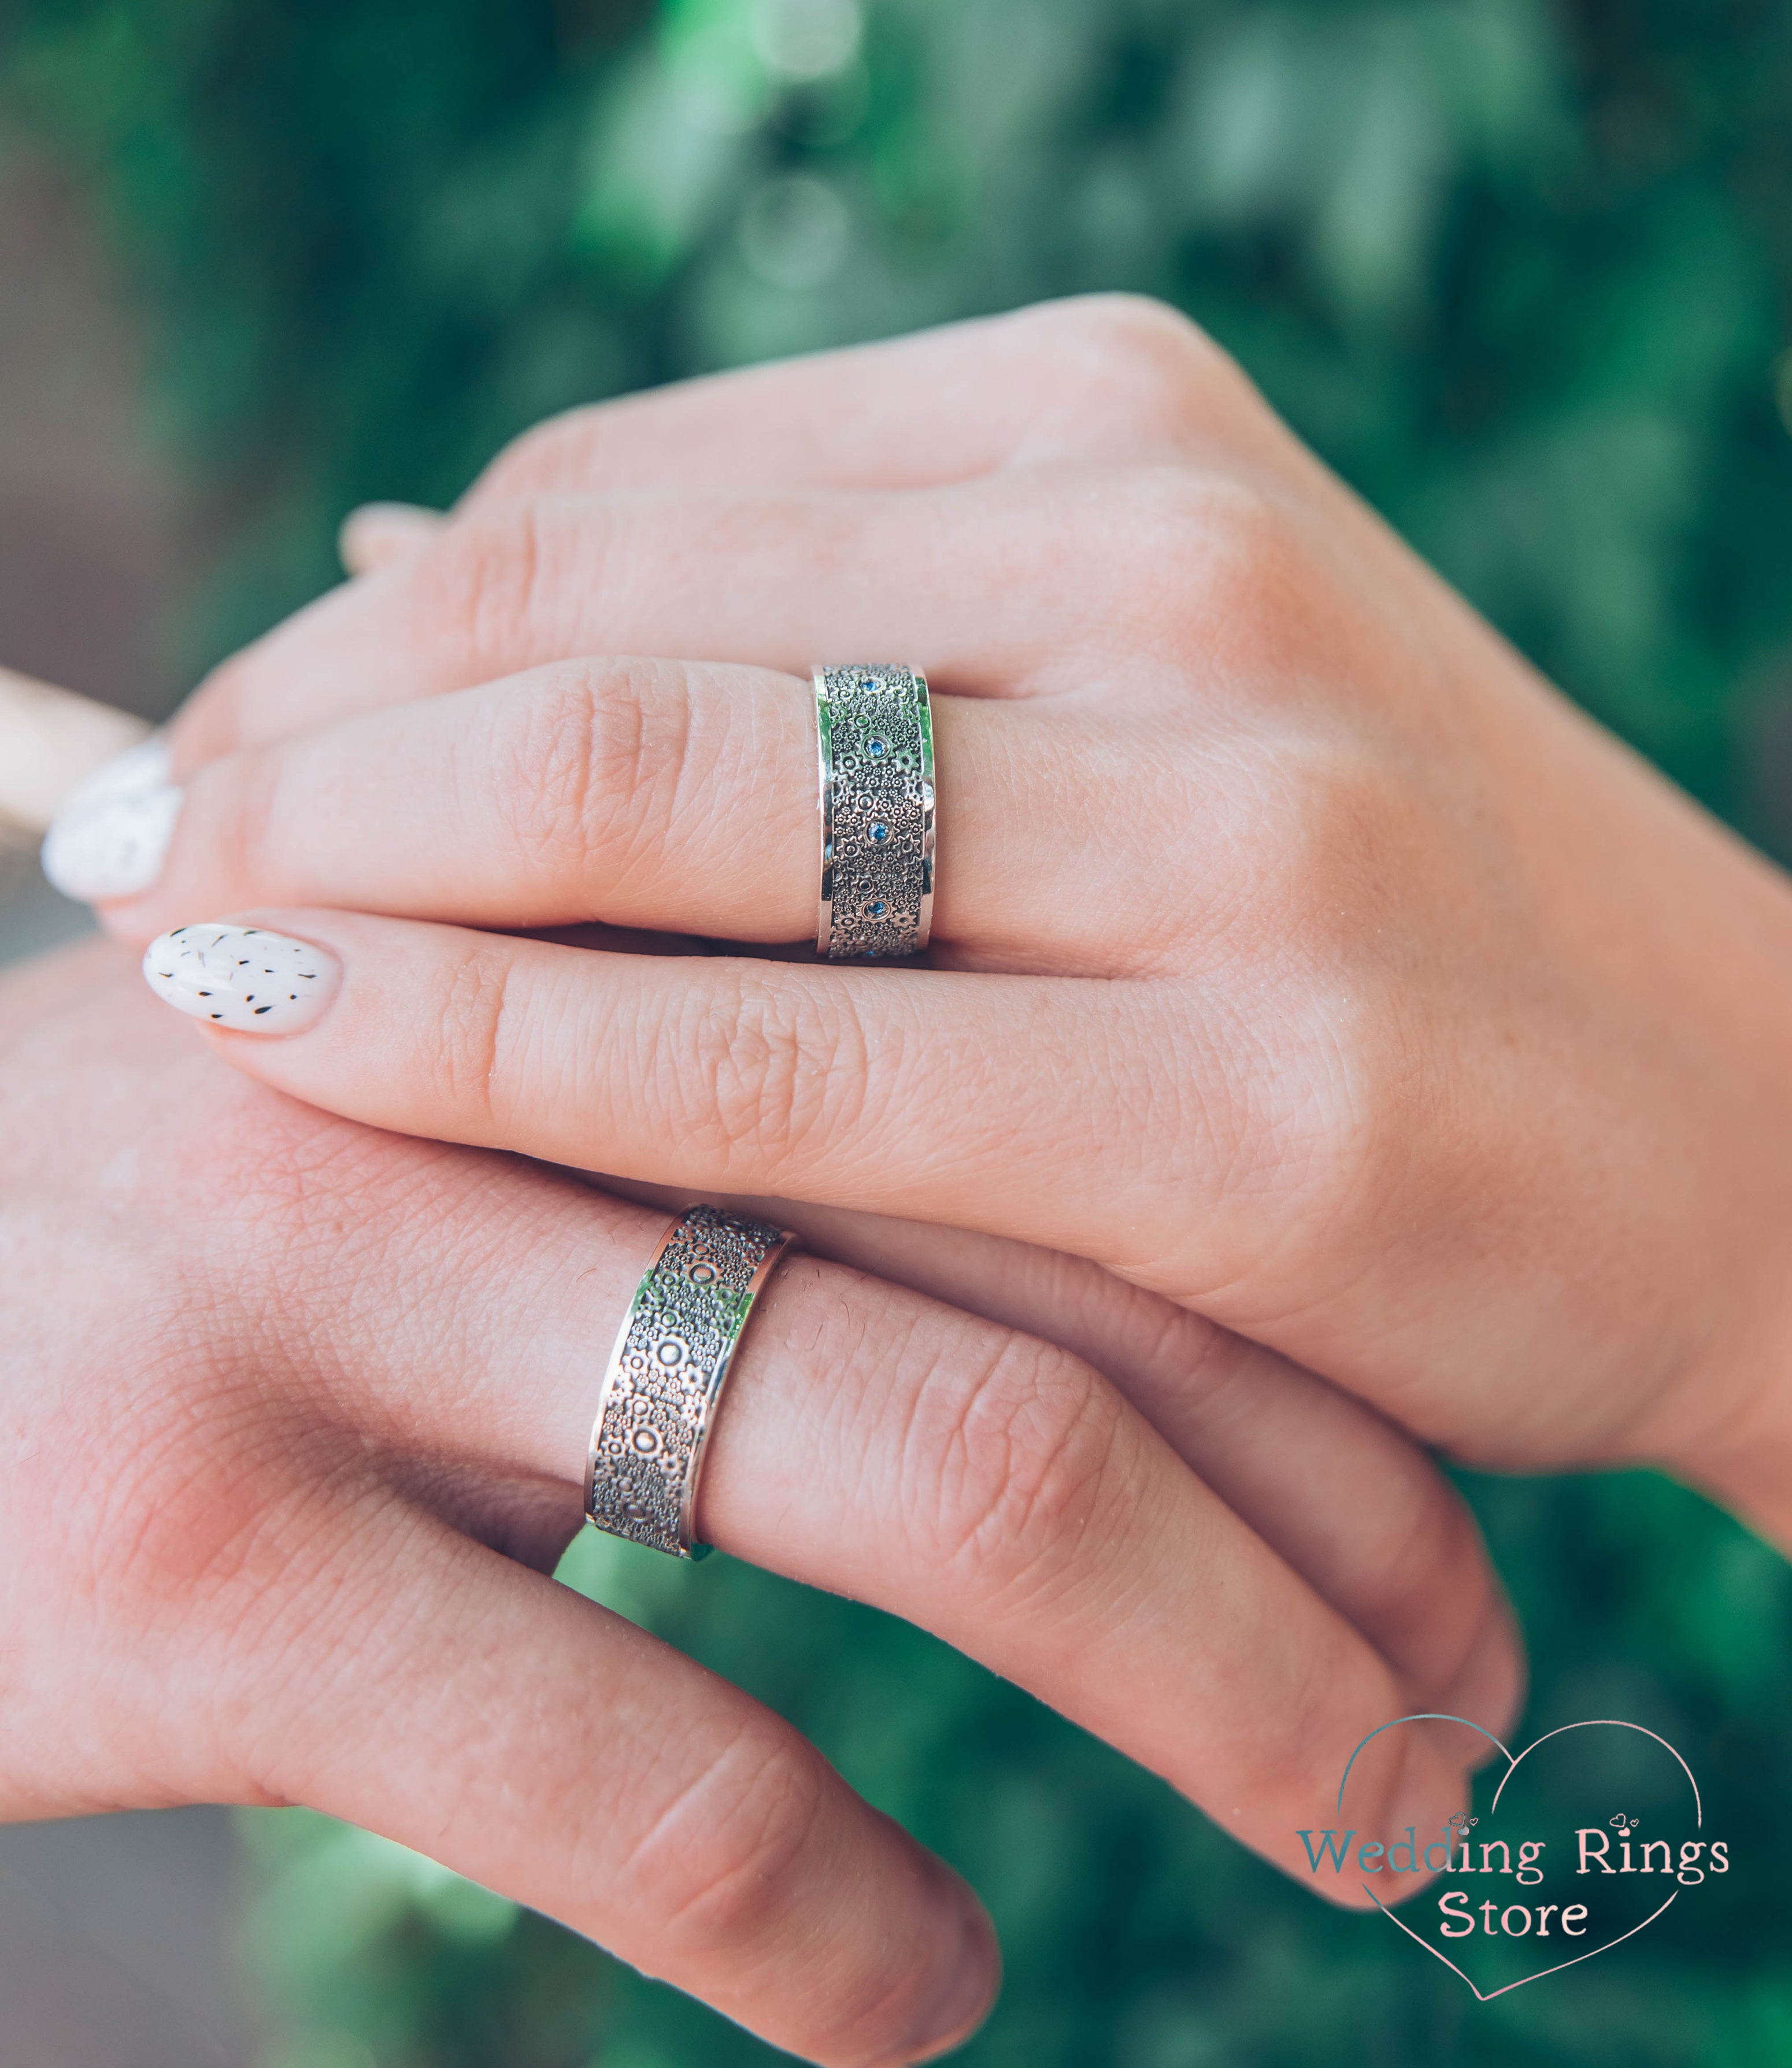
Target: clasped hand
x: 1331, y: 1045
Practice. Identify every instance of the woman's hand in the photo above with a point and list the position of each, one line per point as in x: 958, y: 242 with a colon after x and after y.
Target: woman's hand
x: 291, y: 1408
x: 1299, y: 954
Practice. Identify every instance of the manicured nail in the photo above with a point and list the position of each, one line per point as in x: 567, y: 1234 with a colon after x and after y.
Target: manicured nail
x: 243, y: 977
x: 109, y: 839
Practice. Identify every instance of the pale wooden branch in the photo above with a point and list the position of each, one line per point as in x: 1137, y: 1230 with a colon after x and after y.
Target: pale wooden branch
x: 50, y: 738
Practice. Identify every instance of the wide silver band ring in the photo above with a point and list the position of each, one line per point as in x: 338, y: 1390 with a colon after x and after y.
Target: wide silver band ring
x: 874, y: 731
x: 667, y: 1372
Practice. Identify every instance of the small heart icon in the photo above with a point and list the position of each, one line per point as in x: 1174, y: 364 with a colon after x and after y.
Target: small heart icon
x: 1593, y: 1832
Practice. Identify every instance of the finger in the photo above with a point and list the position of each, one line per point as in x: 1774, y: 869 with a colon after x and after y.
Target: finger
x: 666, y: 796
x: 931, y: 1096
x: 975, y: 1480
x: 445, y: 1698
x: 1111, y: 377
x: 1105, y: 379
x: 999, y: 586
x: 1286, y: 1450
x: 378, y: 532
x: 1014, y: 1504
x: 969, y: 1478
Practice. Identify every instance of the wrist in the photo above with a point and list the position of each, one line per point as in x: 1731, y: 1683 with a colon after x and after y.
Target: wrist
x: 1724, y: 1425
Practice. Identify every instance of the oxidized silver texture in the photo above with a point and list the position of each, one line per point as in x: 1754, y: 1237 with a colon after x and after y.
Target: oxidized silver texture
x: 874, y: 726
x: 667, y: 1374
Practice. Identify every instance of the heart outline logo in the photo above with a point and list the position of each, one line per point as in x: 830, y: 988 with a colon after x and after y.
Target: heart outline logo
x: 1514, y: 1761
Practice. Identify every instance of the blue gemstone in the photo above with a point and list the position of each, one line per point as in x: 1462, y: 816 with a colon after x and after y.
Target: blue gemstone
x: 880, y: 832
x: 869, y: 683
x: 877, y: 910
x: 876, y: 749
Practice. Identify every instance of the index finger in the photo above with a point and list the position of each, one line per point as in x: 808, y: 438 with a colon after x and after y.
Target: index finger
x: 438, y: 1694
x: 1109, y: 378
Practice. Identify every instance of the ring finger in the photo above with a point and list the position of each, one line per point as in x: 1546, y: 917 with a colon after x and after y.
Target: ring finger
x: 678, y: 797
x: 963, y: 1475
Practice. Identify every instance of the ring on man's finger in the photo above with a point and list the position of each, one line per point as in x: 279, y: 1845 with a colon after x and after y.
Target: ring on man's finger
x: 666, y: 1373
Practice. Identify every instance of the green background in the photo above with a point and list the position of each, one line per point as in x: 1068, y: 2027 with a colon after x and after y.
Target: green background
x: 1520, y: 272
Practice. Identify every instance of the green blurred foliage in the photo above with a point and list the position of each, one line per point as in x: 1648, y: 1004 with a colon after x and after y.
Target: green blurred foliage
x: 1520, y: 272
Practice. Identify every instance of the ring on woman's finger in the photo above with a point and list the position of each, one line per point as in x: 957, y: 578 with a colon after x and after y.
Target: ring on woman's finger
x: 667, y: 1374
x: 874, y: 731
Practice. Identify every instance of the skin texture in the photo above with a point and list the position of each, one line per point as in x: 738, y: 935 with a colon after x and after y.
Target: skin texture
x: 294, y: 1421
x: 1300, y: 956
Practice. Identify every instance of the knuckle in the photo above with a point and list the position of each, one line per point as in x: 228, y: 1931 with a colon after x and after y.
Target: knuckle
x: 1345, y: 1114
x: 246, y: 793
x: 488, y: 582
x: 590, y: 771
x: 211, y: 1533
x: 1302, y: 1145
x: 741, y: 1875
x: 554, y: 454
x: 782, y: 1072
x: 1143, y: 339
x: 459, y: 1067
x: 725, y: 1866
x: 1326, y: 823
x: 1198, y: 555
x: 140, y: 1549
x: 537, y: 761
x: 1027, y: 1444
x: 206, y: 1505
x: 216, y: 716
x: 1128, y: 368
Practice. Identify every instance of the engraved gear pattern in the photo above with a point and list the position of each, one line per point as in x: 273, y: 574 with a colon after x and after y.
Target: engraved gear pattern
x: 875, y: 728
x: 666, y: 1375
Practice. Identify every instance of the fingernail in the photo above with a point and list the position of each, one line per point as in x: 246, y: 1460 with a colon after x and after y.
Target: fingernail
x: 243, y: 977
x: 109, y: 839
x: 377, y: 532
x: 969, y: 1990
x: 1430, y: 1786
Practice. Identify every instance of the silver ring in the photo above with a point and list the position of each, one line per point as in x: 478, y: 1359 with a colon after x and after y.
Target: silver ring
x: 667, y: 1374
x: 874, y: 728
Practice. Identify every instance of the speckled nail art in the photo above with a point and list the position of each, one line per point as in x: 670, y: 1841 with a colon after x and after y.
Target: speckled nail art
x: 243, y: 977
x: 112, y: 831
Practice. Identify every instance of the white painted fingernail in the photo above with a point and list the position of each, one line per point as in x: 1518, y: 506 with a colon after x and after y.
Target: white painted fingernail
x: 109, y: 837
x: 243, y: 977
